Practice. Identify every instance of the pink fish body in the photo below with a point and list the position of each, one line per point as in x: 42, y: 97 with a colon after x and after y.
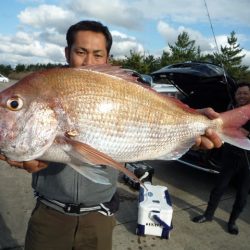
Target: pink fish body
x: 99, y: 115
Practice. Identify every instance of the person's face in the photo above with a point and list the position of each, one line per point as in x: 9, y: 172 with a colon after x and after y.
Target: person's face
x: 89, y: 48
x: 242, y: 96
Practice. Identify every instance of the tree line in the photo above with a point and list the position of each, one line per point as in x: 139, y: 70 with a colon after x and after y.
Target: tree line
x: 184, y: 49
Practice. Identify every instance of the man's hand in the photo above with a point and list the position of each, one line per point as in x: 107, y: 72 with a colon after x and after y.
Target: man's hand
x: 210, y: 139
x: 30, y: 166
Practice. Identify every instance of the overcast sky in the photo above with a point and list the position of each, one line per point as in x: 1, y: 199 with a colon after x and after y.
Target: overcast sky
x: 33, y: 31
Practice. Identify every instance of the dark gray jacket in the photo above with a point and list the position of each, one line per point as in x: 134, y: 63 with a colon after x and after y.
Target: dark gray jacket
x: 62, y: 183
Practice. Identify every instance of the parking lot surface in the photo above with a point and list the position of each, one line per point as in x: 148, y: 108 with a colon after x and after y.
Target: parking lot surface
x: 189, y: 190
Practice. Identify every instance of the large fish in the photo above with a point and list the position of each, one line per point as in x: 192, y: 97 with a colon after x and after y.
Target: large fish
x: 100, y: 115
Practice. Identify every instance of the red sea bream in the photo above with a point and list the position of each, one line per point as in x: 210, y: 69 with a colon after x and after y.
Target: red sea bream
x: 99, y: 115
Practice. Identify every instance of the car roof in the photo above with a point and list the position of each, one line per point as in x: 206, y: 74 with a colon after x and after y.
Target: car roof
x: 202, y: 69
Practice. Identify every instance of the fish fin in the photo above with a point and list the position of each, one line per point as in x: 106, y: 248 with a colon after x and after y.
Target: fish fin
x: 92, y: 173
x: 88, y: 154
x: 112, y: 70
x: 243, y: 143
x: 232, y: 132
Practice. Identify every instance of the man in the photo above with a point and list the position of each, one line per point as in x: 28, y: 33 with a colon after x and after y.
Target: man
x: 236, y: 162
x: 59, y: 220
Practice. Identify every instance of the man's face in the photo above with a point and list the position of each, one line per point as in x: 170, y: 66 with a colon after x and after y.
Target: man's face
x: 242, y: 96
x: 89, y: 48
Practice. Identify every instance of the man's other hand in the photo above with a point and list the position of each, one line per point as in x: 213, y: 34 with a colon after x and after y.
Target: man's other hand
x: 210, y: 139
x: 30, y: 166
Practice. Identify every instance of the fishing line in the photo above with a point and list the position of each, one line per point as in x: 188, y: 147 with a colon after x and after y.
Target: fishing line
x: 217, y: 47
x: 211, y: 26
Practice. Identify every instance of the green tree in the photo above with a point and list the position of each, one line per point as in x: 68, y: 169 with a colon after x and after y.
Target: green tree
x: 165, y: 59
x: 20, y: 68
x: 231, y: 58
x: 116, y: 61
x: 150, y: 64
x: 184, y: 49
x: 137, y: 61
x: 134, y: 61
x: 5, y: 69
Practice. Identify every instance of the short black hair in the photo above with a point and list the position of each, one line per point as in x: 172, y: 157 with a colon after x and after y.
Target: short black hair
x: 243, y: 84
x: 88, y: 25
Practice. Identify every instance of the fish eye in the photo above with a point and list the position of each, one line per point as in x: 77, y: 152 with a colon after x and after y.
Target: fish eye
x: 15, y: 103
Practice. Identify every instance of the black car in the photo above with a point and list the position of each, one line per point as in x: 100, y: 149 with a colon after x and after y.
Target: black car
x: 201, y: 85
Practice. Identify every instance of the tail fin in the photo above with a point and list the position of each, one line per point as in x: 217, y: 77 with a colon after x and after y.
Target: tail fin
x: 232, y: 132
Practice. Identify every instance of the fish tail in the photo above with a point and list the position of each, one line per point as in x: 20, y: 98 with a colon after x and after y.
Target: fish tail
x: 232, y: 131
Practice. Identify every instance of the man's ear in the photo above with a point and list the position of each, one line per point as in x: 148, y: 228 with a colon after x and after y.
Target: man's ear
x: 66, y: 53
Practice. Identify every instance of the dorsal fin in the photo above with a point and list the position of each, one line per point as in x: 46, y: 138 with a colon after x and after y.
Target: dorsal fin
x: 112, y: 70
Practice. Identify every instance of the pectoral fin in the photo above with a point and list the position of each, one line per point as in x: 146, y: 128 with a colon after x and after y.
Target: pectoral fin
x: 90, y: 155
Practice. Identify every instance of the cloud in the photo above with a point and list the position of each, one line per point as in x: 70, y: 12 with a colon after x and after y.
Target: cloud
x: 115, y: 12
x: 123, y: 44
x: 246, y: 59
x: 176, y: 11
x: 170, y: 34
x: 41, y: 38
x: 46, y: 16
x: 26, y: 48
x: 51, y: 35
